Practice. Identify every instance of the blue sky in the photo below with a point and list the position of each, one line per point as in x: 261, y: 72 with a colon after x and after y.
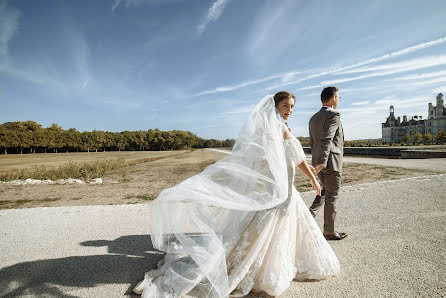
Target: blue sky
x: 202, y: 65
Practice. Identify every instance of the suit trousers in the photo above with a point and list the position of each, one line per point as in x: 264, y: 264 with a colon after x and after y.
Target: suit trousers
x: 330, y: 183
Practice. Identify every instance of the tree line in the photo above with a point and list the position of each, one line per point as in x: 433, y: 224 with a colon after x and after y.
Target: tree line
x: 31, y: 137
x: 417, y: 138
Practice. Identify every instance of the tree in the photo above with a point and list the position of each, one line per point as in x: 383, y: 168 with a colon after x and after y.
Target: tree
x: 140, y: 140
x: 39, y: 139
x: 4, y: 139
x: 87, y: 141
x: 441, y: 137
x: 98, y: 137
x: 54, y: 134
x: 120, y: 141
x: 228, y: 143
x: 417, y: 137
x: 406, y: 138
x: 29, y: 136
x: 72, y: 139
x: 32, y: 134
x: 428, y: 137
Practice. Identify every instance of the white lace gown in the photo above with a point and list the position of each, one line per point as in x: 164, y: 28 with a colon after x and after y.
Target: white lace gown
x: 278, y: 246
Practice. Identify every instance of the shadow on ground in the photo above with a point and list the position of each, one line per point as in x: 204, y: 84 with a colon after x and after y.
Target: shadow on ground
x: 128, y: 258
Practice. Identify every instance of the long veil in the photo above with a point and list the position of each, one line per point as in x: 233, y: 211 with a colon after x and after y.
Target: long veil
x: 199, y: 221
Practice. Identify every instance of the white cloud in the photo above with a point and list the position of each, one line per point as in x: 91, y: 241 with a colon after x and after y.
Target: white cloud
x: 420, y: 76
x: 282, y: 76
x: 343, y: 69
x: 34, y: 77
x: 397, y: 53
x: 429, y: 82
x: 129, y: 3
x: 264, y: 27
x: 349, y: 90
x: 387, y: 69
x: 81, y: 53
x: 361, y: 103
x: 414, y: 101
x: 441, y: 89
x: 9, y: 21
x: 40, y: 70
x: 116, y: 4
x: 242, y: 110
x: 310, y: 87
x: 402, y: 66
x: 378, y: 107
x: 212, y: 15
x: 121, y: 102
x: 406, y: 65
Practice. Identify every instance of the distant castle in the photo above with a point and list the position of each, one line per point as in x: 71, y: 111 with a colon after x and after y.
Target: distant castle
x: 393, y: 130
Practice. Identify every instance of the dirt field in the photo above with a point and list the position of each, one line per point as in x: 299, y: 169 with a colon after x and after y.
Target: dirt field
x: 22, y: 161
x: 144, y: 181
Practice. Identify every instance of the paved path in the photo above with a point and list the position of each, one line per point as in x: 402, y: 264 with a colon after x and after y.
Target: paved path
x: 433, y: 164
x: 396, y: 246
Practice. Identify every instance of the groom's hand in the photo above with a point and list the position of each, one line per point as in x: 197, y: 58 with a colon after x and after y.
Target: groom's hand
x: 312, y: 169
x: 318, y: 168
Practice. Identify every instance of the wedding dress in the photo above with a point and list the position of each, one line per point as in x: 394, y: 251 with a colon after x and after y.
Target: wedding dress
x: 240, y: 225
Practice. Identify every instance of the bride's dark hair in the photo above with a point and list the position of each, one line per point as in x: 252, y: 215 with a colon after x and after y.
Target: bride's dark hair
x: 282, y: 95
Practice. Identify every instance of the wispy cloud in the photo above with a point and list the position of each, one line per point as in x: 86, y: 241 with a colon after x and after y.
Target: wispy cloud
x: 81, y: 53
x: 9, y: 21
x: 430, y: 82
x: 241, y: 110
x: 405, y: 51
x: 360, y: 103
x: 264, y: 27
x: 406, y: 65
x: 440, y: 89
x: 116, y: 4
x: 34, y: 77
x: 352, y: 68
x: 119, y: 102
x: 413, y: 101
x: 393, y: 68
x: 379, y: 107
x: 386, y: 69
x: 129, y: 3
x: 40, y: 71
x: 420, y: 76
x: 342, y: 69
x: 212, y: 15
x: 227, y: 88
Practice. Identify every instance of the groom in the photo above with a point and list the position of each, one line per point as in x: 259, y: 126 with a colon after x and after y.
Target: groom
x: 327, y: 148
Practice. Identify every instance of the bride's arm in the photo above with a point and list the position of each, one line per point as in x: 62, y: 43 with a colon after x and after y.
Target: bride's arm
x: 305, y: 168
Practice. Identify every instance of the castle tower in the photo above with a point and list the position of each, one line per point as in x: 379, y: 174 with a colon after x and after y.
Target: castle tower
x: 392, y: 111
x: 440, y: 100
x: 439, y: 108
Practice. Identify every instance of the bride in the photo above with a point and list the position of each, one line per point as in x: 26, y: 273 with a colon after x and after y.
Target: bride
x: 240, y: 225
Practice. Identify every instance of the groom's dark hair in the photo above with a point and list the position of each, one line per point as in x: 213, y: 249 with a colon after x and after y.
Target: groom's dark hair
x: 328, y: 93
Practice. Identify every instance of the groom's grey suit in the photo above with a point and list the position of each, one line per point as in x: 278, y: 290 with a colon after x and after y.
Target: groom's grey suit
x: 327, y: 149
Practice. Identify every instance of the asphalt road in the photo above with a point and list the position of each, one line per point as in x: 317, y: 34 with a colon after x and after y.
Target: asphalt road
x: 396, y: 246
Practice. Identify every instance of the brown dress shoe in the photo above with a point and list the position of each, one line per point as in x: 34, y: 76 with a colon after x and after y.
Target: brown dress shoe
x: 336, y: 236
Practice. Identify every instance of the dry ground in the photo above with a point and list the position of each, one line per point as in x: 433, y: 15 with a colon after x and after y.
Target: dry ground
x: 144, y: 181
x: 22, y: 161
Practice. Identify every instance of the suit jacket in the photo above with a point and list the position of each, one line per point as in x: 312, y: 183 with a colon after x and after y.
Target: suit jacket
x: 327, y: 139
